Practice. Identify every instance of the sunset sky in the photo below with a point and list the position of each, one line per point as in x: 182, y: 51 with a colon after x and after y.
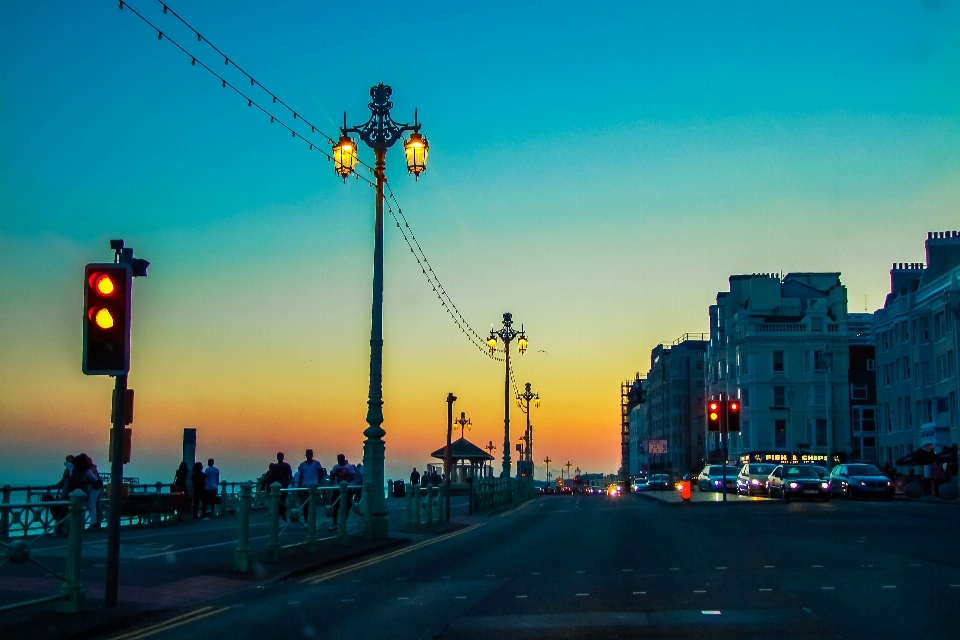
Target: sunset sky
x: 597, y: 169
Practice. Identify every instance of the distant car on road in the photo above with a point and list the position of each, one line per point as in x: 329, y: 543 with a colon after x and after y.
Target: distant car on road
x: 640, y: 484
x: 798, y: 481
x: 659, y: 482
x: 860, y: 481
x: 711, y: 478
x: 752, y: 479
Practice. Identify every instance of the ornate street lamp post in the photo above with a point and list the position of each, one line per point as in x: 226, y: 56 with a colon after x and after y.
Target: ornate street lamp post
x: 523, y: 401
x: 464, y: 423
x: 507, y: 334
x: 380, y: 133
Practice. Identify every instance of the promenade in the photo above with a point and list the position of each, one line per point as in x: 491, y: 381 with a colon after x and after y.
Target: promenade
x: 172, y: 565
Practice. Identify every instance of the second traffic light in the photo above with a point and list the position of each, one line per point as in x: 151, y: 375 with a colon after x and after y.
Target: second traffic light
x: 733, y: 415
x: 106, y: 322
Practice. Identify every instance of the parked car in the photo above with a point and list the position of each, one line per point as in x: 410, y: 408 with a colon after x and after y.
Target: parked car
x: 797, y: 481
x: 752, y: 479
x: 659, y: 482
x: 640, y: 484
x: 860, y: 481
x: 711, y: 478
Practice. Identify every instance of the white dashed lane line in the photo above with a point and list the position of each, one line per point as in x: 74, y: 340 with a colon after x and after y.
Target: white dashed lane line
x: 828, y: 588
x: 582, y: 595
x: 699, y: 591
x: 766, y: 589
x: 889, y: 586
x: 460, y: 598
x: 643, y: 593
x: 521, y: 596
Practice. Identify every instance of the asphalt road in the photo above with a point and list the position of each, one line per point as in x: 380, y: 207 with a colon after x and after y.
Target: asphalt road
x: 593, y: 566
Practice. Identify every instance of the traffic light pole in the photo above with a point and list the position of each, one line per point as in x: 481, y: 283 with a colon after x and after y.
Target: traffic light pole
x: 116, y: 485
x: 723, y: 444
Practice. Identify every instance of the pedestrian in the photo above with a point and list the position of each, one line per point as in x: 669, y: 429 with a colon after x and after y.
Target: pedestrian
x: 94, y: 484
x: 198, y: 480
x: 343, y: 471
x: 936, y: 477
x: 180, y: 479
x: 210, y: 486
x: 889, y: 471
x: 279, y: 472
x: 65, y: 479
x: 309, y: 472
x: 415, y: 477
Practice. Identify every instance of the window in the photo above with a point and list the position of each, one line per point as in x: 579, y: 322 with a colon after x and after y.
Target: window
x: 886, y: 341
x: 951, y: 365
x: 916, y: 374
x: 906, y: 334
x: 886, y: 416
x: 896, y: 370
x: 780, y: 433
x: 896, y: 334
x: 940, y: 326
x: 820, y: 361
x: 816, y: 324
x: 953, y: 409
x: 926, y: 373
x: 871, y: 364
x: 941, y: 364
x: 816, y: 394
x: 779, y: 396
x: 908, y: 411
x: 821, y: 432
x: 899, y: 414
x: 744, y: 364
x: 906, y: 368
x: 745, y: 396
x: 778, y: 362
x: 858, y: 392
x: 886, y: 374
x: 924, y: 330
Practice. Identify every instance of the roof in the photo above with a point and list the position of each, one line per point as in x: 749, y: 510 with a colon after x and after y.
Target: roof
x: 462, y: 449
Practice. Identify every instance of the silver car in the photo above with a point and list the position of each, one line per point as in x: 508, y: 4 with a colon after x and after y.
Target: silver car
x: 752, y: 479
x: 711, y: 478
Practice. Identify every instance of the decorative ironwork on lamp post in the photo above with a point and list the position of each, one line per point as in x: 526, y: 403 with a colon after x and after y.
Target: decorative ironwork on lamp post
x: 464, y: 422
x: 507, y: 334
x: 380, y: 133
x: 523, y: 401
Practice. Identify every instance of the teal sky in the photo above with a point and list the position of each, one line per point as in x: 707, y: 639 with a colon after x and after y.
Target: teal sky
x: 599, y: 169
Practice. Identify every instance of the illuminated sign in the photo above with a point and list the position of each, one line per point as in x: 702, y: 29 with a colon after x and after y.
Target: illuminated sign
x: 777, y: 457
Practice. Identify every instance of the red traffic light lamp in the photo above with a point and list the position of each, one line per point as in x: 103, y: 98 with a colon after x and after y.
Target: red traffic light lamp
x: 713, y: 415
x: 733, y: 416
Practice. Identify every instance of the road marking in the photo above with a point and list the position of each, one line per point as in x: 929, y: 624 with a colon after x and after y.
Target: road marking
x: 955, y: 586
x: 400, y: 579
x: 766, y: 589
x: 769, y: 566
x: 674, y: 568
x: 205, y: 546
x: 643, y: 593
x: 347, y: 600
x: 171, y: 623
x: 818, y: 566
x: 535, y: 573
x: 491, y: 575
x: 356, y: 581
x: 294, y: 602
x: 581, y: 571
x: 721, y: 568
x: 627, y: 570
x: 521, y: 596
x: 582, y: 595
x: 889, y: 586
x: 828, y: 588
x: 444, y: 577
x: 916, y: 565
x: 388, y: 556
x: 699, y: 591
x: 402, y: 598
x: 710, y: 613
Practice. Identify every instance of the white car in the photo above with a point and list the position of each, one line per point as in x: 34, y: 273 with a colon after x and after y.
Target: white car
x: 640, y: 484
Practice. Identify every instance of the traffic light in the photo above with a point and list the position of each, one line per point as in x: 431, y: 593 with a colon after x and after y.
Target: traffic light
x: 106, y: 319
x: 713, y: 415
x: 733, y: 415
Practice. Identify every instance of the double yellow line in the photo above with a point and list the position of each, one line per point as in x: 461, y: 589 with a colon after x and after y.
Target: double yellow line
x: 171, y: 623
x: 389, y: 556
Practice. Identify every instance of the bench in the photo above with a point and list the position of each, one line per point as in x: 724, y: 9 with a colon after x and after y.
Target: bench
x: 148, y: 505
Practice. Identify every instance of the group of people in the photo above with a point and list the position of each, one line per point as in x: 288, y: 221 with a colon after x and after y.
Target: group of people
x: 80, y: 472
x: 309, y: 472
x: 201, y: 484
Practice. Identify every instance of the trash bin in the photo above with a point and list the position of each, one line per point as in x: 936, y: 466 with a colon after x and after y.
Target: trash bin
x: 685, y: 486
x: 399, y: 489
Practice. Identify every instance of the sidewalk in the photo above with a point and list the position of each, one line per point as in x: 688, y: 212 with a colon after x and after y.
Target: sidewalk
x: 170, y: 566
x: 672, y: 498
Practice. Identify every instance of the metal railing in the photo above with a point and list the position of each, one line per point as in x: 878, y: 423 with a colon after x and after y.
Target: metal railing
x: 70, y: 596
x: 425, y: 506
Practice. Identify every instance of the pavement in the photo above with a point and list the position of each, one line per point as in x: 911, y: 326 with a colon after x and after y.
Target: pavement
x: 169, y: 566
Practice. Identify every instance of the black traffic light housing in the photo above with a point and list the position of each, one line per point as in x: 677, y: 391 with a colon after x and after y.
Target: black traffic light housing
x: 107, y: 291
x: 714, y: 415
x: 733, y: 415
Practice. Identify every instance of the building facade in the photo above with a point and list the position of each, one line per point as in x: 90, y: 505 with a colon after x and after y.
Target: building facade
x: 780, y: 346
x: 672, y: 416
x: 917, y: 344
x: 637, y: 414
x: 862, y: 377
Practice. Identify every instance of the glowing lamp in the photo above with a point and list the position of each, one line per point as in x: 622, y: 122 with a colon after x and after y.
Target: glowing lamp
x: 344, y: 156
x: 102, y: 318
x: 522, y: 343
x: 492, y: 342
x: 416, y: 149
x: 103, y: 284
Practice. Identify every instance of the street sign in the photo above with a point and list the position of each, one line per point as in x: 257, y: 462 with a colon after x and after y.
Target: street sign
x: 656, y: 446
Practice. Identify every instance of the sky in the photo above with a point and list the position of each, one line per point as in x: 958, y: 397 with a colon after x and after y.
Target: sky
x: 597, y: 169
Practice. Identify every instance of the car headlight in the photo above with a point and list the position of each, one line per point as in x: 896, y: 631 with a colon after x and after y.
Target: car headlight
x: 889, y: 484
x: 756, y: 482
x: 794, y: 485
x: 716, y: 482
x: 825, y: 485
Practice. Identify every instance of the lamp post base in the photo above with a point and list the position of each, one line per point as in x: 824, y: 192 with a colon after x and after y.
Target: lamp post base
x: 376, y: 505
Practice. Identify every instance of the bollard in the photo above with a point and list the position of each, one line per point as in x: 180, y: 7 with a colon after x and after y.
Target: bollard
x: 241, y: 555
x: 5, y: 513
x: 72, y: 590
x: 342, y: 515
x: 313, y: 542
x: 273, y: 547
x: 408, y: 494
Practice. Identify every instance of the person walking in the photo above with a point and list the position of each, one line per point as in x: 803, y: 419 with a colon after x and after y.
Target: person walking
x: 94, y: 484
x: 309, y: 472
x: 198, y: 480
x: 342, y: 471
x: 415, y: 477
x: 210, y: 485
x: 281, y: 473
x: 180, y: 479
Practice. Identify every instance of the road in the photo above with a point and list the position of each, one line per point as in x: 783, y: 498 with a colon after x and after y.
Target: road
x: 600, y: 567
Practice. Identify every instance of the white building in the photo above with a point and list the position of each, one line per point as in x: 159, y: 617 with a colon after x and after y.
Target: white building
x: 781, y: 347
x: 917, y: 345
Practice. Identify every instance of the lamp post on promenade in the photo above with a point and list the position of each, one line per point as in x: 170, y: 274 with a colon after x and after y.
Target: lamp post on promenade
x: 490, y: 449
x: 464, y: 422
x: 507, y: 334
x: 568, y: 465
x: 547, y: 462
x: 523, y: 401
x: 380, y: 133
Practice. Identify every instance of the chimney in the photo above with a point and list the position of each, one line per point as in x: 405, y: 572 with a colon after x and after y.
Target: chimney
x: 943, y: 254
